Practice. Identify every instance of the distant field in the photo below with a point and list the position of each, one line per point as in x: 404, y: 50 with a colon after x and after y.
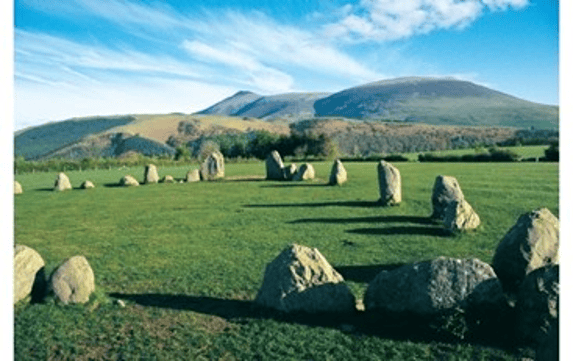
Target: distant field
x: 530, y: 151
x: 189, y: 258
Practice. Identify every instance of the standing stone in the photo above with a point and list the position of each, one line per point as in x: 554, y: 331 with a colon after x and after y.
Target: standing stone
x: 213, y: 167
x: 17, y: 188
x: 537, y: 305
x: 428, y: 288
x: 460, y: 216
x: 62, y: 182
x: 275, y: 166
x: 289, y: 171
x: 87, y: 185
x: 128, y: 181
x: 390, y: 184
x: 28, y: 267
x: 192, y: 176
x: 446, y: 190
x: 301, y: 279
x: 305, y: 172
x: 533, y: 242
x: 168, y: 179
x: 150, y: 174
x: 338, y: 173
x: 73, y: 281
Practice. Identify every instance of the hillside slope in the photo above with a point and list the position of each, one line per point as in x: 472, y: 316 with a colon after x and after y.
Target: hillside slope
x: 436, y: 101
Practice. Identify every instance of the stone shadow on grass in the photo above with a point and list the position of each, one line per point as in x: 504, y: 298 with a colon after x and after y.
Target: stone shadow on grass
x: 378, y: 219
x: 113, y: 185
x: 389, y: 231
x: 364, y: 204
x: 365, y: 274
x: 296, y: 184
x: 402, y: 327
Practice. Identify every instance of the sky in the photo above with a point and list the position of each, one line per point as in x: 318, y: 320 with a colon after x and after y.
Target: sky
x: 77, y: 58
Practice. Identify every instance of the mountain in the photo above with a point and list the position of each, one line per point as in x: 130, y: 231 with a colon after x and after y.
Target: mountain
x: 291, y: 106
x: 436, y: 101
x: 439, y: 101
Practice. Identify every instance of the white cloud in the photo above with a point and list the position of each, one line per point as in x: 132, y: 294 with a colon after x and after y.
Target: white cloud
x: 384, y: 20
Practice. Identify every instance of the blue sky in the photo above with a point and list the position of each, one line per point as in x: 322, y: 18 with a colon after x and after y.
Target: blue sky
x: 92, y: 57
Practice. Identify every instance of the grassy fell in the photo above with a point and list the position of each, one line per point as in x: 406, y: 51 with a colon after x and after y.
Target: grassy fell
x: 189, y: 258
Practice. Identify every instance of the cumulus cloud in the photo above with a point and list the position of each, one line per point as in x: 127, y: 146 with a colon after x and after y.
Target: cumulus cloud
x: 383, y: 20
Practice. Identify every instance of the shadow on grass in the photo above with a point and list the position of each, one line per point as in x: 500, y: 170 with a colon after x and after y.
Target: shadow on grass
x: 401, y: 327
x: 364, y: 274
x: 113, y: 185
x: 379, y: 219
x: 365, y: 204
x: 245, y: 179
x: 297, y: 184
x: 44, y: 189
x: 389, y: 231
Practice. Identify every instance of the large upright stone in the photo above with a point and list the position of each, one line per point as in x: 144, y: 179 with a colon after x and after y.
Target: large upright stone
x: 390, y: 184
x: 17, y: 188
x: 428, y: 288
x: 338, y: 173
x: 301, y: 279
x: 460, y: 216
x: 446, y: 190
x: 305, y: 172
x: 73, y: 281
x: 537, y: 305
x: 28, y: 267
x: 275, y: 166
x: 533, y: 242
x: 213, y: 167
x: 150, y: 174
x: 62, y: 182
x: 192, y: 176
x: 128, y: 181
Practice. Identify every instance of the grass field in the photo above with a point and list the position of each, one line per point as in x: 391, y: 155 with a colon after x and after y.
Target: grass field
x: 188, y: 259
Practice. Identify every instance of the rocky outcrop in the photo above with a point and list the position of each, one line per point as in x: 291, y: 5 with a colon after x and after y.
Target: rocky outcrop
x: 338, y: 173
x: 446, y: 190
x: 62, y: 183
x: 73, y: 281
x: 28, y: 271
x: 389, y: 183
x: 213, y: 167
x: 275, y: 166
x: 533, y: 242
x: 150, y: 174
x: 301, y: 279
x: 305, y: 172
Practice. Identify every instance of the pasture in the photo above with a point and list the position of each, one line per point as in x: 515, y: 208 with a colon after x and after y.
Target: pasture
x: 188, y: 259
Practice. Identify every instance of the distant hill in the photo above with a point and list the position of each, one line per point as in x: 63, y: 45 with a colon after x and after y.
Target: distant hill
x: 290, y: 106
x: 440, y: 101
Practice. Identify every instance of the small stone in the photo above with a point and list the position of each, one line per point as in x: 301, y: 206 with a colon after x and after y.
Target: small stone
x: 62, y: 183
x: 17, y: 188
x: 305, y: 172
x: 128, y: 181
x: 87, y: 185
x: 73, y: 281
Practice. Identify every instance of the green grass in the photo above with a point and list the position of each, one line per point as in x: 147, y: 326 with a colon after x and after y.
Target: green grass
x: 189, y: 258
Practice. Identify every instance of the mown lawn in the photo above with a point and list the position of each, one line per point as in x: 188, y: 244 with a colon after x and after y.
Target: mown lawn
x: 188, y: 259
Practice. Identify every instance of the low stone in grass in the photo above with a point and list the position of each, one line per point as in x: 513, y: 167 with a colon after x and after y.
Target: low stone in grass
x: 274, y: 166
x: 28, y: 271
x: 289, y: 171
x: 533, y: 242
x: 460, y: 216
x: 150, y: 174
x: 446, y: 190
x: 305, y: 172
x: 537, y: 304
x: 192, y: 176
x: 87, y: 185
x: 73, y: 281
x: 301, y: 279
x: 389, y: 183
x: 213, y: 167
x: 62, y: 183
x: 17, y: 188
x: 168, y: 179
x: 338, y: 173
x: 128, y: 181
